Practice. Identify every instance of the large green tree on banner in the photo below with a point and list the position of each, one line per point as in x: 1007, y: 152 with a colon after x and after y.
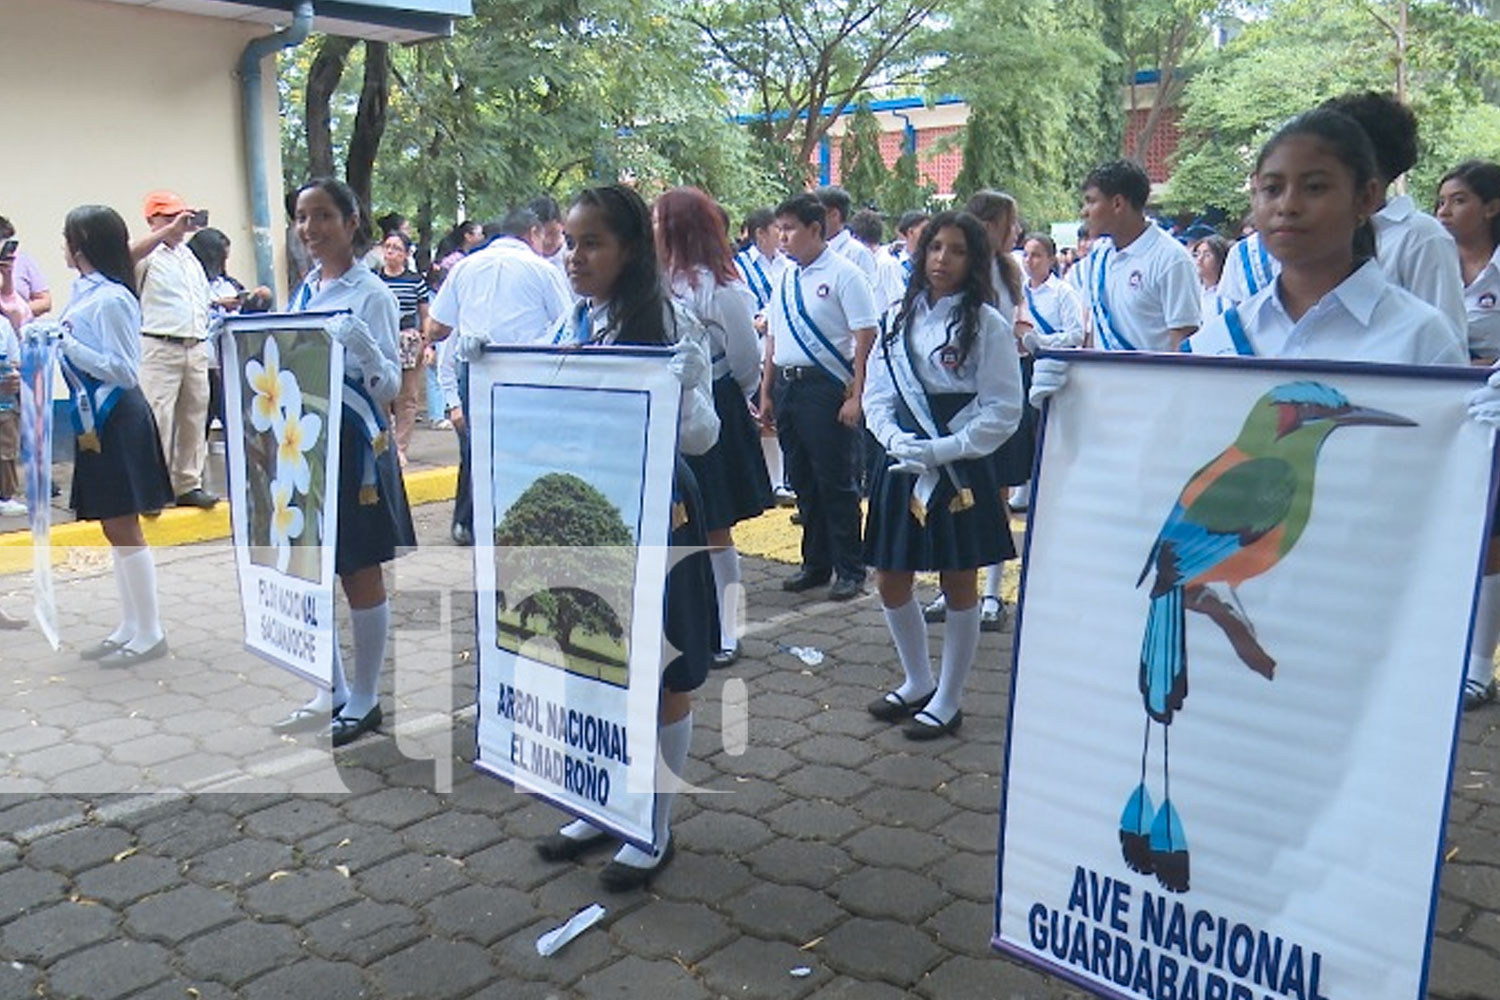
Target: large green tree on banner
x: 563, y: 553
x: 1301, y: 52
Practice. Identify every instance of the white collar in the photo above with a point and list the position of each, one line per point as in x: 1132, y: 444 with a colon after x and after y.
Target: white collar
x: 1398, y: 209
x: 1358, y: 294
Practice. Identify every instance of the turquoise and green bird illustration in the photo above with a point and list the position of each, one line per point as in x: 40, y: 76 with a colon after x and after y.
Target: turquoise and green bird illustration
x: 1237, y: 517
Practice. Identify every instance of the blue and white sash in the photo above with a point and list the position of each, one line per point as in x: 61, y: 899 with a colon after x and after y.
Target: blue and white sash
x: 369, y: 421
x: 93, y: 402
x: 1242, y: 345
x: 755, y: 277
x: 911, y: 393
x: 1258, y: 269
x: 807, y: 335
x: 1041, y: 322
x: 1109, y: 337
x: 579, y: 329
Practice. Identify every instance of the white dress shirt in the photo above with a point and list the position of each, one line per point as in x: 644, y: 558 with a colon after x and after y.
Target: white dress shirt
x: 105, y: 322
x: 360, y: 291
x: 1246, y: 254
x: 992, y: 371
x: 844, y: 244
x: 505, y: 292
x: 175, y: 297
x: 1417, y: 253
x: 724, y: 313
x: 1482, y: 307
x: 1364, y: 318
x: 1058, y: 303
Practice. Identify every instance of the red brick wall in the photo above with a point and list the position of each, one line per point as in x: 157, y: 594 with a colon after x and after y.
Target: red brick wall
x: 1164, y: 141
x: 937, y: 169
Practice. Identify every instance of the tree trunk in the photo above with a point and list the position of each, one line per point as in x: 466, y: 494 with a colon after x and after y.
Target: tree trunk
x: 322, y: 80
x: 369, y: 120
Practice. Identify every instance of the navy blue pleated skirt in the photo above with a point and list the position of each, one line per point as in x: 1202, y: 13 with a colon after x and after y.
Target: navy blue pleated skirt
x: 692, y: 619
x: 128, y: 474
x: 732, y: 475
x: 369, y: 534
x: 967, y: 539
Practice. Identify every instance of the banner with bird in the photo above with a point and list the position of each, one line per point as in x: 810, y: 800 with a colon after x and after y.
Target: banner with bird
x: 1239, y: 658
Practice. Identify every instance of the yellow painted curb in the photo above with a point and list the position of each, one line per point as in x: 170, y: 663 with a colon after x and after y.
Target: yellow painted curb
x: 187, y: 525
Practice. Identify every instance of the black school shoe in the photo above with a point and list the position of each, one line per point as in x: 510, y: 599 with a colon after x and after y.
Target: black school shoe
x: 556, y: 847
x: 845, y: 589
x: 726, y: 657
x: 198, y: 497
x: 805, y: 579
x: 619, y: 877
x: 347, y: 729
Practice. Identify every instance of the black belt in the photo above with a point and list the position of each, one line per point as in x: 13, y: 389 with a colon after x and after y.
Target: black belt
x: 794, y: 373
x: 175, y: 340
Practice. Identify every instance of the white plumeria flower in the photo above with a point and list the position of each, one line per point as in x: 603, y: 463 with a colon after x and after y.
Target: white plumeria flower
x: 287, y: 523
x: 297, y: 434
x: 271, y: 386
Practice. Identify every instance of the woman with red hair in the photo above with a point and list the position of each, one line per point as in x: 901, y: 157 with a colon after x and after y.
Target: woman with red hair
x: 698, y: 268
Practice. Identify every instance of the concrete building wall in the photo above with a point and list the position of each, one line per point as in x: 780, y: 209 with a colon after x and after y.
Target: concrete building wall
x: 106, y: 102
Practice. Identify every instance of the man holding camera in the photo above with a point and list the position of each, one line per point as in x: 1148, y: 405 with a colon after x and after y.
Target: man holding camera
x: 175, y: 353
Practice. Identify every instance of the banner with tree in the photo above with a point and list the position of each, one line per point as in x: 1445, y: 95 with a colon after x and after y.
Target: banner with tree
x: 573, y: 454
x: 1238, y: 672
x: 283, y: 414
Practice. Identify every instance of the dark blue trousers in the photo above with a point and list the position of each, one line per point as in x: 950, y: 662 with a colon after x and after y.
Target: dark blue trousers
x: 821, y: 456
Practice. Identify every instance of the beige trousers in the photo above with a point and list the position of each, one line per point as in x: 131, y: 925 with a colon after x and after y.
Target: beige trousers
x: 174, y: 378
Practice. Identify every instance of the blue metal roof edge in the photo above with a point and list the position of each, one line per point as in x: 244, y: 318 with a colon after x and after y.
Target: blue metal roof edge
x: 889, y: 104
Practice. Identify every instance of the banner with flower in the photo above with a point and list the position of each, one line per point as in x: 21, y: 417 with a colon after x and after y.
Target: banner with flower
x: 283, y: 389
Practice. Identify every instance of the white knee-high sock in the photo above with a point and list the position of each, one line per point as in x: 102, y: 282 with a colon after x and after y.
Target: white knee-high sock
x: 126, y: 629
x: 672, y: 741
x: 1486, y: 631
x: 139, y: 572
x: 771, y: 448
x: 960, y: 643
x: 370, y: 626
x: 909, y: 632
x: 992, y: 581
x: 726, y: 566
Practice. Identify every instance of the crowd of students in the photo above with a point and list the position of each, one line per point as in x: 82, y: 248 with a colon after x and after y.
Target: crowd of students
x: 816, y: 362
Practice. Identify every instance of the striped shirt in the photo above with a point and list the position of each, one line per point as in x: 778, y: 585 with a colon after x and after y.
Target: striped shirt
x: 411, y: 290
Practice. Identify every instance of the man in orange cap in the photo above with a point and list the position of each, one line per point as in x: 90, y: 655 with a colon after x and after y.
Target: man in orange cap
x: 175, y: 353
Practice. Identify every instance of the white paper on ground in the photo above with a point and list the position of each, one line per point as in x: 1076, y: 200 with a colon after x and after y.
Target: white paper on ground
x: 553, y: 941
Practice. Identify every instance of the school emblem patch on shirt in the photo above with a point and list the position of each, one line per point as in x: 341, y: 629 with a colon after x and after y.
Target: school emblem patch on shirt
x: 823, y: 291
x: 1487, y: 300
x: 1135, y: 279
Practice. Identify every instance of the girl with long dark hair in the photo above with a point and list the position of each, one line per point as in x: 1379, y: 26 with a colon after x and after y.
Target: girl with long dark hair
x: 942, y: 392
x: 613, y: 266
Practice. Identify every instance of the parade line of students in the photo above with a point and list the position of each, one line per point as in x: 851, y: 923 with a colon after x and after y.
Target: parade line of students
x: 817, y: 367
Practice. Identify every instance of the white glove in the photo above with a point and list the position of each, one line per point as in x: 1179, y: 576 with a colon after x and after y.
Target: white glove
x: 351, y: 331
x: 689, y: 364
x: 470, y: 346
x: 915, y: 451
x: 910, y: 466
x: 1031, y: 341
x: 1484, y: 402
x: 1049, y: 375
x: 44, y: 330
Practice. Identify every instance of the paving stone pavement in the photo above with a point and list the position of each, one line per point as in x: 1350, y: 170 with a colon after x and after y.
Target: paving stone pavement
x: 157, y: 842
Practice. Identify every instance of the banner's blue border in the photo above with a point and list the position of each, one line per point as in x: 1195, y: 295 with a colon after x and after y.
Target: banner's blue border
x: 1450, y: 373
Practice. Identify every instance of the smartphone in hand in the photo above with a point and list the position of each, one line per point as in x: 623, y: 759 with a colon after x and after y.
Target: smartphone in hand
x: 8, y: 249
x: 200, y: 218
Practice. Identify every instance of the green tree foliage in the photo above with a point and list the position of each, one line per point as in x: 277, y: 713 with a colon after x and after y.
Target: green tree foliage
x: 786, y: 60
x: 1305, y: 51
x: 861, y: 167
x: 1033, y: 72
x: 533, y: 96
x: 565, y: 547
x: 903, y: 188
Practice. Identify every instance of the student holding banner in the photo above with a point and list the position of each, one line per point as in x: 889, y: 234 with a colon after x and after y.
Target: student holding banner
x: 613, y: 265
x: 942, y: 393
x: 1468, y: 206
x: 374, y: 522
x: 732, y: 479
x: 118, y: 468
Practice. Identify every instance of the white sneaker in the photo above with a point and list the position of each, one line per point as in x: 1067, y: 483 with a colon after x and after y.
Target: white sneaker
x: 1020, y: 497
x: 936, y: 611
x: 785, y: 497
x: 12, y: 508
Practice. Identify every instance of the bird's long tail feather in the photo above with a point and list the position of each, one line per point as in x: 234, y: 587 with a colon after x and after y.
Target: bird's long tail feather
x: 1163, y: 678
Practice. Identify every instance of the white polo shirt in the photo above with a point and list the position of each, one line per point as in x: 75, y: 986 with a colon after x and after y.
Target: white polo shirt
x: 1416, y: 252
x: 838, y: 300
x: 174, y: 293
x: 1150, y: 288
x: 761, y: 274
x: 891, y: 276
x: 1365, y: 318
x: 846, y: 245
x: 1482, y: 306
